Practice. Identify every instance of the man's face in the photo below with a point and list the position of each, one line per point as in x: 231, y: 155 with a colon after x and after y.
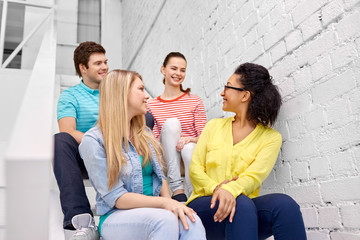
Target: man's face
x: 97, y: 69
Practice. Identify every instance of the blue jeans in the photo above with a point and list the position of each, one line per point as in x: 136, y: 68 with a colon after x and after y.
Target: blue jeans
x: 259, y: 218
x: 149, y: 223
x: 69, y: 172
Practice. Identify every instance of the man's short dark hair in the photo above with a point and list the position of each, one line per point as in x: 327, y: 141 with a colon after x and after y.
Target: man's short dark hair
x: 82, y: 54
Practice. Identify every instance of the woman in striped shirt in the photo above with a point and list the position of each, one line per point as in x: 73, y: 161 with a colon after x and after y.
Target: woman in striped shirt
x: 179, y: 120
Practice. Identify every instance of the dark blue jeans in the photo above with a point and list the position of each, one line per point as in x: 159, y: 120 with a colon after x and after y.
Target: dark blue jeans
x: 69, y: 172
x: 273, y: 214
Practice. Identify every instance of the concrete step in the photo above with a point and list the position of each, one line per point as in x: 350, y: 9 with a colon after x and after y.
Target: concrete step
x: 67, y: 81
x: 91, y: 194
x: 56, y: 231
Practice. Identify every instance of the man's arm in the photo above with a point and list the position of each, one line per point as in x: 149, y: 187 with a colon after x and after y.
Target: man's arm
x: 68, y: 125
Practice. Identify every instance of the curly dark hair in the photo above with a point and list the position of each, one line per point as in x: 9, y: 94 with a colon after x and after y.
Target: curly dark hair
x: 265, y: 98
x: 166, y: 61
x: 82, y: 54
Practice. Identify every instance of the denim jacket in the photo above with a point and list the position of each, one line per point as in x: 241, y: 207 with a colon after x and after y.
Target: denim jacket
x: 92, y: 151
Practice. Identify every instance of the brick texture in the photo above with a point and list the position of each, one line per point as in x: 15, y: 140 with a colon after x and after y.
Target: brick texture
x: 311, y: 49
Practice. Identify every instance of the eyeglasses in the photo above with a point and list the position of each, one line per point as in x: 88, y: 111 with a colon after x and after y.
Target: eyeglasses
x: 239, y: 89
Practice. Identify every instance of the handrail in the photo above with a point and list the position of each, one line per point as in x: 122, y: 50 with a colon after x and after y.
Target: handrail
x: 30, y: 151
x: 32, y: 32
x: 23, y: 42
x: 2, y: 30
x: 31, y: 4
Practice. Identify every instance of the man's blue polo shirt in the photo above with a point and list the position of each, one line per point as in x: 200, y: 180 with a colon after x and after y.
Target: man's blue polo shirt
x: 81, y: 103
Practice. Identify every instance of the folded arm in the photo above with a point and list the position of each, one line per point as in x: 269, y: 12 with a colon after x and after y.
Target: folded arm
x: 68, y: 125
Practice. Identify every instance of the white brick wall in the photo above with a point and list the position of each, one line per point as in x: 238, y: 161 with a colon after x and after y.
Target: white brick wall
x: 350, y: 216
x: 312, y: 50
x: 329, y: 217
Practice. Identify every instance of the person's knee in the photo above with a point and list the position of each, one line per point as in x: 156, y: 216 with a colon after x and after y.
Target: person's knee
x: 167, y: 219
x: 245, y: 206
x: 172, y: 125
x: 244, y: 203
x: 64, y: 138
x: 197, y: 223
x: 189, y: 147
x: 186, y: 153
x: 65, y: 144
x: 286, y: 203
x: 61, y: 136
x: 196, y: 228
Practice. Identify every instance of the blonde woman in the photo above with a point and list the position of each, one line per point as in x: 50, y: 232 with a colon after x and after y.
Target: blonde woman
x: 123, y: 161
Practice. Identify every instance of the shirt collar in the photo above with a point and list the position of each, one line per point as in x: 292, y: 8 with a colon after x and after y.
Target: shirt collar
x: 82, y: 84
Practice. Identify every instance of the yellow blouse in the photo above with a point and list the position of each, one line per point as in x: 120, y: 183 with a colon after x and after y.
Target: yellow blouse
x: 215, y: 159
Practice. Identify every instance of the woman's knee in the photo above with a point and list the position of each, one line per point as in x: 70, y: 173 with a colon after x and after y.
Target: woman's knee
x: 160, y: 219
x: 245, y: 207
x: 244, y: 203
x: 285, y: 203
x: 197, y: 224
x: 171, y: 125
x: 167, y: 219
x: 196, y: 229
x: 186, y: 153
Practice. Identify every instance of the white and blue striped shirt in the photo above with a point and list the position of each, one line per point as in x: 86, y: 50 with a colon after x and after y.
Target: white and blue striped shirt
x: 81, y: 103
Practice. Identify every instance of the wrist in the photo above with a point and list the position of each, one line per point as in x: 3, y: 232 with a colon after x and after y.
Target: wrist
x: 162, y: 202
x: 227, y: 189
x: 217, y: 188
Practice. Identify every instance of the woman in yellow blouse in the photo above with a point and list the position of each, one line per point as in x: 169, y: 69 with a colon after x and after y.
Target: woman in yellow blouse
x: 234, y: 156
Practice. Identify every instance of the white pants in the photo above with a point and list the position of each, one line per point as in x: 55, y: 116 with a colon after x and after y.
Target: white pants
x: 169, y: 137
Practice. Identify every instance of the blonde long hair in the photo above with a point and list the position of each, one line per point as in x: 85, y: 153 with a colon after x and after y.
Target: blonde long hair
x: 113, y: 114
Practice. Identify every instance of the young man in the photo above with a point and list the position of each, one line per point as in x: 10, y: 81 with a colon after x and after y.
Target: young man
x: 77, y: 112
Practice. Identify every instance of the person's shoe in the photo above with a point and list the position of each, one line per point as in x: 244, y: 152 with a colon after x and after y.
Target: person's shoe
x: 68, y: 233
x: 180, y: 197
x: 85, y: 227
